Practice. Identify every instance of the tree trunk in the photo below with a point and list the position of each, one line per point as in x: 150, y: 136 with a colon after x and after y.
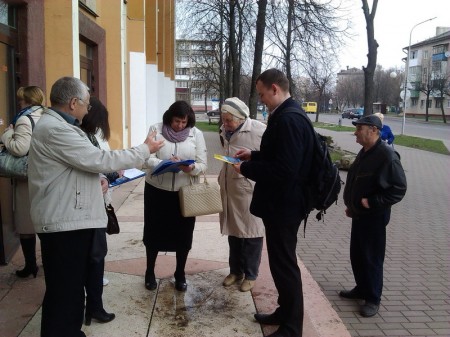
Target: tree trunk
x: 372, y: 57
x: 232, y: 47
x: 442, y: 109
x: 257, y: 59
x: 287, y: 56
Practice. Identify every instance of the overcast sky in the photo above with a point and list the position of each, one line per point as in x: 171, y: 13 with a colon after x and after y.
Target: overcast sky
x: 394, y: 20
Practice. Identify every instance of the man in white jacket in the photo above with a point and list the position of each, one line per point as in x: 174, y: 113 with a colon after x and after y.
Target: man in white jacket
x: 67, y: 200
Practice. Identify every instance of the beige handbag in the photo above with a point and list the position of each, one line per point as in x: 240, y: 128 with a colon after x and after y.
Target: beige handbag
x: 200, y: 198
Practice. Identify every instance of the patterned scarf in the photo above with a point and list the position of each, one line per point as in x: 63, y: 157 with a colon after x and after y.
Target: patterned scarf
x: 175, y: 137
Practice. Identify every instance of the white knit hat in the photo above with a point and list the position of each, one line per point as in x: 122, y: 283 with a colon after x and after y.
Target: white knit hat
x: 235, y: 107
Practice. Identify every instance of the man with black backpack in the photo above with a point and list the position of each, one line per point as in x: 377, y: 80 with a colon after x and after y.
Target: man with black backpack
x: 281, y: 170
x: 375, y: 181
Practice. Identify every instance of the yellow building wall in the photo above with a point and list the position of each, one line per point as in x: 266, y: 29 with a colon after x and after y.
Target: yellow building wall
x: 58, y: 41
x: 109, y: 18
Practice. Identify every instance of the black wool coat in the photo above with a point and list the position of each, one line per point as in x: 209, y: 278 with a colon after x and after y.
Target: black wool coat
x: 281, y: 167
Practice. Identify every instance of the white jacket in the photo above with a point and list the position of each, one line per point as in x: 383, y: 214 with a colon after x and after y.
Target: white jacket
x: 63, y: 175
x: 193, y: 147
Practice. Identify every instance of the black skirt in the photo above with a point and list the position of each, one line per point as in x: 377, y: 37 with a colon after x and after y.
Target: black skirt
x: 165, y: 229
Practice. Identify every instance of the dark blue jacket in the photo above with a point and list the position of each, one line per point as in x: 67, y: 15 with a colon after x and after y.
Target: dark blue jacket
x: 281, y: 167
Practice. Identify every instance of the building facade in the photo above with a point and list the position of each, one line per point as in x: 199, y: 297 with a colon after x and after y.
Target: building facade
x: 197, y: 73
x: 122, y: 49
x: 429, y: 73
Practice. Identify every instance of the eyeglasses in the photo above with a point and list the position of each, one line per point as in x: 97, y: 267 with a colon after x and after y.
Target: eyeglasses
x: 87, y: 103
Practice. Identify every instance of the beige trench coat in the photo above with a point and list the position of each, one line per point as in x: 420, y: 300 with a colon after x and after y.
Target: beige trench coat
x: 236, y: 219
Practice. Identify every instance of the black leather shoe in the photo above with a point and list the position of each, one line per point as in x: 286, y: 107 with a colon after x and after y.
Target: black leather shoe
x: 268, y: 319
x: 369, y: 309
x: 351, y: 294
x: 151, y: 285
x: 150, y: 281
x: 180, y: 285
x: 101, y: 316
x: 27, y: 271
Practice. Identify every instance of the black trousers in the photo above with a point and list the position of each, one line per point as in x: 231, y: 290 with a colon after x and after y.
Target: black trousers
x: 281, y: 242
x: 96, y: 271
x: 65, y: 257
x: 367, y: 251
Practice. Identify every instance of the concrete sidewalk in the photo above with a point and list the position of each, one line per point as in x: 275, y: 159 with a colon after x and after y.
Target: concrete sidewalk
x: 416, y: 296
x: 206, y: 309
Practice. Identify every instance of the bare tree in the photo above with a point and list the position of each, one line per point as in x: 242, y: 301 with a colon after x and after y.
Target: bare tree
x: 349, y: 92
x: 257, y: 60
x: 425, y: 84
x: 300, y: 30
x: 321, y: 73
x: 386, y: 89
x: 441, y: 86
x: 372, y: 56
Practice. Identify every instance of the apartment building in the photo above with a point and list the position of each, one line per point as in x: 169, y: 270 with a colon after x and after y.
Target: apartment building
x: 197, y: 73
x: 124, y: 50
x: 428, y: 70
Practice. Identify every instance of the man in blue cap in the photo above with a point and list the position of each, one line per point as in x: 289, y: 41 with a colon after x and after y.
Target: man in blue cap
x: 375, y: 181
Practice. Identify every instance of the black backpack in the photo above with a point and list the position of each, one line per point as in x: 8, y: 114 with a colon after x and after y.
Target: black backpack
x: 324, y: 183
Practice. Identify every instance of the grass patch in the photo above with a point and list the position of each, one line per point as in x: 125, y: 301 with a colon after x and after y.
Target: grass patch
x: 333, y: 127
x: 431, y: 145
x: 205, y: 126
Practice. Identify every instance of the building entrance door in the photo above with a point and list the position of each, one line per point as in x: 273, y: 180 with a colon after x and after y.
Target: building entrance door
x: 8, y: 240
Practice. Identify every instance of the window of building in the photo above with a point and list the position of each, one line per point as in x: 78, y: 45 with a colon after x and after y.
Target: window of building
x: 422, y: 103
x: 425, y: 54
x: 448, y: 103
x: 439, y: 49
x: 438, y: 103
x: 7, y: 15
x: 430, y: 103
x: 425, y: 75
x: 414, y: 54
x: 414, y: 101
x: 181, y: 71
x: 87, y: 66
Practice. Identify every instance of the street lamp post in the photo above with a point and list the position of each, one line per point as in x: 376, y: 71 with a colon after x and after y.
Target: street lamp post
x: 406, y: 73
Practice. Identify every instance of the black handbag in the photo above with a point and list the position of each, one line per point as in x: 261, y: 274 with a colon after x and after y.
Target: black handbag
x: 113, y: 224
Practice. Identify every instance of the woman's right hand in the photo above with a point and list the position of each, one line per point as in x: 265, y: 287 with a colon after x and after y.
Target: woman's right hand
x: 153, y: 145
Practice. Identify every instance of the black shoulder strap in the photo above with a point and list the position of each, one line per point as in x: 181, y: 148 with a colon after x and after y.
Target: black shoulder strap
x: 31, y: 121
x: 314, y: 134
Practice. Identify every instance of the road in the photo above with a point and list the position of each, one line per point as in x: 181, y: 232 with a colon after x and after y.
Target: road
x: 431, y: 130
x: 413, y: 127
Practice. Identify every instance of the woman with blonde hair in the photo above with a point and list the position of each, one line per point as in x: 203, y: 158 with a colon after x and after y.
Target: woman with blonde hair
x: 17, y: 138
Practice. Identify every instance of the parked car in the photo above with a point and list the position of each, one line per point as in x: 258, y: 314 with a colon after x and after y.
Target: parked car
x: 213, y: 113
x: 358, y: 113
x: 353, y: 113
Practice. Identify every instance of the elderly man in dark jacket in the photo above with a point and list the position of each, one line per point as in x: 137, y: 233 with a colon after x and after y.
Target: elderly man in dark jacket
x: 280, y: 169
x: 375, y: 182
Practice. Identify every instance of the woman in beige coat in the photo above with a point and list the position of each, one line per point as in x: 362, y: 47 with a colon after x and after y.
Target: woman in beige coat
x: 17, y: 138
x: 245, y: 231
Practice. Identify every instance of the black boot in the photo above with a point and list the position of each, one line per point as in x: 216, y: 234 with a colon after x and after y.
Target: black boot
x: 180, y: 278
x: 150, y: 280
x: 29, y: 252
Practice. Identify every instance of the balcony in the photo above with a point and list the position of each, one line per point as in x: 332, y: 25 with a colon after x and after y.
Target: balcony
x: 414, y: 93
x: 439, y: 57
